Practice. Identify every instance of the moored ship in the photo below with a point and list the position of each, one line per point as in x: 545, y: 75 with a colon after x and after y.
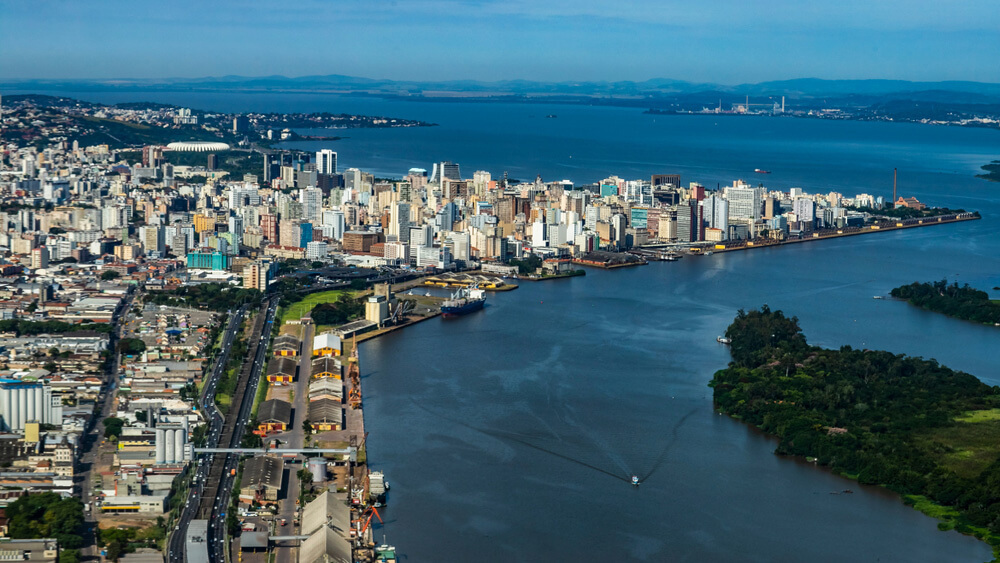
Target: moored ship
x: 463, y: 301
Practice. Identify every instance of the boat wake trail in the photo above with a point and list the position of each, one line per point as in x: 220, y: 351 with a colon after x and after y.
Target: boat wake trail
x: 521, y: 439
x: 666, y: 449
x: 514, y: 438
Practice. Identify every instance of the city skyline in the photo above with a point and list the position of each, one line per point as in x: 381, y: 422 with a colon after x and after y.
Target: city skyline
x: 728, y: 42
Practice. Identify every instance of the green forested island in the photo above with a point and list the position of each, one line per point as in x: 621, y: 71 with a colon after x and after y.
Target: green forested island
x: 961, y: 302
x: 991, y: 171
x: 908, y: 424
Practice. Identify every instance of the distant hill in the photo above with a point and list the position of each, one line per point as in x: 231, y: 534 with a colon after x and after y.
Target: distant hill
x: 800, y: 88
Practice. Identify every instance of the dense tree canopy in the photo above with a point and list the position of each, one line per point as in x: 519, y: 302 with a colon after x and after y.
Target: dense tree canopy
x: 212, y: 296
x: 962, y: 302
x: 131, y: 346
x: 46, y: 515
x: 528, y: 265
x: 869, y: 414
x: 344, y: 309
x: 113, y: 427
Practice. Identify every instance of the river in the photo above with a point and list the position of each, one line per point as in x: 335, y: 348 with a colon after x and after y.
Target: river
x: 507, y: 434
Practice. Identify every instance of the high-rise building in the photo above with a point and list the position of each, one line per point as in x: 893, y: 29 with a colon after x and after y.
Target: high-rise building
x: 241, y: 124
x: 316, y: 250
x: 745, y: 202
x: 269, y: 226
x: 39, y: 258
x: 257, y: 274
x: 399, y: 221
x: 296, y: 233
x: 152, y: 239
x: 665, y: 180
x: 312, y: 203
x: 326, y: 162
x: 805, y: 209
x: 689, y: 222
x: 715, y: 211
x: 446, y: 169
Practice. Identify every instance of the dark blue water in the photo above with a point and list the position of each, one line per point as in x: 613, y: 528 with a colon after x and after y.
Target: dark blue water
x: 507, y: 434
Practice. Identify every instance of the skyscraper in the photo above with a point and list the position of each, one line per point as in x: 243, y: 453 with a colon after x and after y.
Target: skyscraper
x: 312, y: 203
x: 446, y: 169
x: 399, y: 221
x: 326, y: 162
x: 744, y: 202
x: 715, y: 210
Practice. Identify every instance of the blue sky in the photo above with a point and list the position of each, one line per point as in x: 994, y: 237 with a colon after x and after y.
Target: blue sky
x: 725, y: 41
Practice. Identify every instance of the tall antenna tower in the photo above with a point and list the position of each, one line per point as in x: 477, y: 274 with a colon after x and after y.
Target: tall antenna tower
x: 893, y: 187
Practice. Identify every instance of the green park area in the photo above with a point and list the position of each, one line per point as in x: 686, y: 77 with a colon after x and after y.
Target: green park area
x: 343, y: 305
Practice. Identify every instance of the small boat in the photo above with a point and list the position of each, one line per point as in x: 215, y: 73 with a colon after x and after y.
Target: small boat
x: 724, y: 340
x: 878, y: 297
x: 671, y: 257
x: 551, y: 116
x: 635, y: 480
x: 428, y: 294
x: 708, y: 253
x: 761, y: 171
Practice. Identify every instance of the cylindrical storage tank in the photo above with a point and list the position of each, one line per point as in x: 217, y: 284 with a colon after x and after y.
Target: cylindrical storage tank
x: 169, y: 435
x: 5, y: 396
x: 30, y: 414
x: 22, y: 407
x: 180, y: 438
x: 161, y: 447
x: 47, y: 416
x: 317, y: 466
x: 40, y: 405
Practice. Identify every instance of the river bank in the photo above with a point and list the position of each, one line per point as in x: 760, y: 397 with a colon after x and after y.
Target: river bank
x: 875, y: 417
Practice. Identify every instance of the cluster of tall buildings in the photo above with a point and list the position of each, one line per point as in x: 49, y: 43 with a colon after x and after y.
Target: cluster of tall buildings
x: 86, y: 204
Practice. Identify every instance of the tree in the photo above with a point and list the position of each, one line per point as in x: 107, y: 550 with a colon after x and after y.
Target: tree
x: 113, y: 427
x: 141, y: 416
x: 46, y: 515
x: 307, y: 426
x: 131, y: 346
x: 114, y: 550
x: 109, y: 275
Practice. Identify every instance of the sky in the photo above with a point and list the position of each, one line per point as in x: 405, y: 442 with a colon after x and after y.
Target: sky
x: 720, y: 41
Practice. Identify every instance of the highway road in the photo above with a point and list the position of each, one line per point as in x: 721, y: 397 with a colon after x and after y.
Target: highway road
x: 217, y: 523
x: 175, y: 547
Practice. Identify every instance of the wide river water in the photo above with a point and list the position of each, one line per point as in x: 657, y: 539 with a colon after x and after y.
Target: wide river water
x: 507, y: 434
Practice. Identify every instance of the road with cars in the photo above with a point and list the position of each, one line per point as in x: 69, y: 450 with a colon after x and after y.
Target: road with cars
x: 175, y: 548
x: 220, y: 504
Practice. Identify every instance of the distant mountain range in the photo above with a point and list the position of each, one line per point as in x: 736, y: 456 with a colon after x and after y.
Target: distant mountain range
x: 867, y: 91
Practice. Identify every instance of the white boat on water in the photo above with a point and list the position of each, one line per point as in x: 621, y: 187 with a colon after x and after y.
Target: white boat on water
x: 724, y: 340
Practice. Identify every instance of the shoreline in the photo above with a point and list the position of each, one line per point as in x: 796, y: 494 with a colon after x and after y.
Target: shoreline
x: 840, y: 233
x: 879, y: 227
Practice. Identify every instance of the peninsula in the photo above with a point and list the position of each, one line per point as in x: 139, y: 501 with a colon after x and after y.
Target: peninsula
x: 907, y: 424
x: 961, y: 302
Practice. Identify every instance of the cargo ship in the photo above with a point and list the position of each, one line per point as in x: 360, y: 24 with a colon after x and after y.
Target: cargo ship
x: 761, y: 171
x: 463, y: 301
